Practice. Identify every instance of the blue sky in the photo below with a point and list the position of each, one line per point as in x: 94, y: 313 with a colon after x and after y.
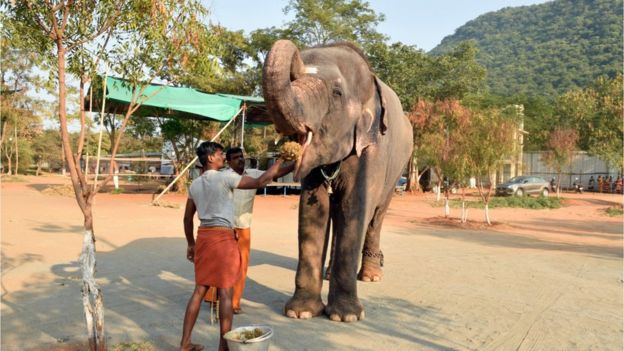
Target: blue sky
x: 423, y: 23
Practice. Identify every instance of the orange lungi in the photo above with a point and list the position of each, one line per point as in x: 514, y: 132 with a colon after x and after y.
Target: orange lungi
x: 244, y: 245
x: 217, y: 257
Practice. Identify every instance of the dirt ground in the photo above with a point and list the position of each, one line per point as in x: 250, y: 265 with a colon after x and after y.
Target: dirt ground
x: 535, y: 280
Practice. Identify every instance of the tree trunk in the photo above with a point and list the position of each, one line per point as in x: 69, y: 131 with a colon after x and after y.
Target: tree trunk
x: 16, y: 150
x: 487, y: 214
x: 92, y: 296
x: 10, y: 162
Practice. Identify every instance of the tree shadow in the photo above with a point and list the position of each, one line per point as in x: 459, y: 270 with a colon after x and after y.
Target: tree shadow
x: 146, y: 286
x: 510, y: 240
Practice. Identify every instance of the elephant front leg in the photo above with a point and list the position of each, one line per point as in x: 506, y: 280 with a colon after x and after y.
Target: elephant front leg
x: 343, y: 304
x: 313, y: 220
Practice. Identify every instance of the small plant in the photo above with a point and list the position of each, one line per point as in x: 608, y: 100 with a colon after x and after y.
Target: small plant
x: 117, y: 191
x: 615, y: 211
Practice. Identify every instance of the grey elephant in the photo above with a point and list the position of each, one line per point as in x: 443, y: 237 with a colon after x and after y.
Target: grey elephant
x: 356, y: 142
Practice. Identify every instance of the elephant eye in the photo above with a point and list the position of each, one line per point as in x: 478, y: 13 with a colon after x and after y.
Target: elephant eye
x: 337, y: 92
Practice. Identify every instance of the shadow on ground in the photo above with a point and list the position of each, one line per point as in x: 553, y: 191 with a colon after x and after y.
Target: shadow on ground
x: 147, y: 283
x: 510, y: 240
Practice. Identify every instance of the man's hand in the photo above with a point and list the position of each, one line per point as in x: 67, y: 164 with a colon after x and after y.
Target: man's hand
x: 190, y: 253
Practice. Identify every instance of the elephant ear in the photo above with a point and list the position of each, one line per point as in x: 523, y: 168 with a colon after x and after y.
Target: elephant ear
x: 372, y: 122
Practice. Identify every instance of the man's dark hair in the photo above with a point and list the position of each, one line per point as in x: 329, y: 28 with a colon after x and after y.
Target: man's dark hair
x: 205, y: 149
x: 231, y: 151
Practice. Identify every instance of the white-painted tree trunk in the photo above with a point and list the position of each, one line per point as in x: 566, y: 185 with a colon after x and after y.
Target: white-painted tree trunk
x: 447, y: 210
x: 487, y: 214
x: 92, y: 301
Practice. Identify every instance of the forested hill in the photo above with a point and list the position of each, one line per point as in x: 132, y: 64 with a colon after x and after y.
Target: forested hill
x: 545, y: 49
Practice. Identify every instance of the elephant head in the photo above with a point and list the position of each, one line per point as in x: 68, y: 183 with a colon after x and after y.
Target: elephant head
x: 326, y: 97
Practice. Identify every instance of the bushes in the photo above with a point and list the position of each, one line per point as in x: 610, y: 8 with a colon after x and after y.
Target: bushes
x: 536, y: 203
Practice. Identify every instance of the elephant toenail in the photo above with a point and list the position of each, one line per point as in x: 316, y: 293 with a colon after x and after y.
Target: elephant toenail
x: 362, y: 315
x: 350, y: 318
x: 376, y: 279
x: 291, y: 314
x: 366, y: 279
x: 305, y: 315
x: 335, y: 317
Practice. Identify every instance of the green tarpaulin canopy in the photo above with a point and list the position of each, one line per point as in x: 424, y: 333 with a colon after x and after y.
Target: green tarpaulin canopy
x: 177, y: 102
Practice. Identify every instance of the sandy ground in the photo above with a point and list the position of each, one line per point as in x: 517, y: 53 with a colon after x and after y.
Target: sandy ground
x: 536, y: 280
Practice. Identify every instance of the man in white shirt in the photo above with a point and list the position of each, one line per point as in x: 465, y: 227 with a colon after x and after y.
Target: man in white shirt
x: 243, y: 209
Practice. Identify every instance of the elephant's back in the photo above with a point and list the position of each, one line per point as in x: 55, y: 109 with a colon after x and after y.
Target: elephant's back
x: 398, y: 126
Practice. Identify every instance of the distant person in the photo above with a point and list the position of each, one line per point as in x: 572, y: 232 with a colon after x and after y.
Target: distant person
x: 243, y: 209
x: 600, y: 184
x: 618, y: 184
x: 215, y: 253
x: 590, y: 184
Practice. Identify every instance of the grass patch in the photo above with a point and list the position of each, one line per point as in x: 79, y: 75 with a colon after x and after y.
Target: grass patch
x: 133, y: 346
x: 13, y: 179
x: 534, y: 203
x: 615, y: 211
x: 117, y: 191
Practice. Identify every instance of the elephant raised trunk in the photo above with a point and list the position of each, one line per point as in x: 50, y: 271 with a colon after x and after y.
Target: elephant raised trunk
x: 288, y: 91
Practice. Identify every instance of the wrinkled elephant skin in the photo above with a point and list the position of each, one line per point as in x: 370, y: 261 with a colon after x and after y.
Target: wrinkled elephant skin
x: 356, y: 142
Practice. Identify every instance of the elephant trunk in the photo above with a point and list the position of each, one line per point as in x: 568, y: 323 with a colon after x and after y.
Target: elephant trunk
x: 287, y: 89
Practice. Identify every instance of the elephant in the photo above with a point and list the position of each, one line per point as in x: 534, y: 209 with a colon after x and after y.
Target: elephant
x: 356, y: 141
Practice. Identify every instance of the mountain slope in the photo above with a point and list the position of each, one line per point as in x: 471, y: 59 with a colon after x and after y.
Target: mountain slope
x: 545, y: 49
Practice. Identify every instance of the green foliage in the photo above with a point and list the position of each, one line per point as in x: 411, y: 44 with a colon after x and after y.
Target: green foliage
x: 615, y: 211
x: 545, y: 49
x: 596, y: 113
x: 534, y: 203
x: 321, y: 22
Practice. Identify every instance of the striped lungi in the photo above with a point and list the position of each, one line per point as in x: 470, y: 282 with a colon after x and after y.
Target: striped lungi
x: 217, y: 257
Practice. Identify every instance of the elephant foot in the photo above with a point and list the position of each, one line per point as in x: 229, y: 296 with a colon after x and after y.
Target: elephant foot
x: 345, y: 310
x: 304, y: 306
x: 371, y: 266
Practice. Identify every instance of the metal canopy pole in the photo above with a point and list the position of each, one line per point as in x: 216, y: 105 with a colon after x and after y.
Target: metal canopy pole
x: 195, y: 158
x: 242, y: 146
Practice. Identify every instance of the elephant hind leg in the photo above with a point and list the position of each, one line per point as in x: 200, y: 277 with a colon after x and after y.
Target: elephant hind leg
x: 372, y: 257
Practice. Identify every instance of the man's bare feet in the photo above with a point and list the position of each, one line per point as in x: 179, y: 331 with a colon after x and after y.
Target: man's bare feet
x: 192, y: 347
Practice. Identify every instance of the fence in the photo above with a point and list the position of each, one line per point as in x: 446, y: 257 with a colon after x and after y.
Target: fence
x: 582, y: 167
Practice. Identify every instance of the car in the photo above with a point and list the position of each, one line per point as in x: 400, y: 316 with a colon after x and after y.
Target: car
x: 401, y: 185
x: 524, y: 185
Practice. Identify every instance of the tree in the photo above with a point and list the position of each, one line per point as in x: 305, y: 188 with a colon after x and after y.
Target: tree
x: 152, y: 38
x: 491, y: 140
x: 596, y: 113
x: 426, y: 82
x: 560, y: 150
x: 18, y: 121
x: 321, y: 22
x: 438, y: 127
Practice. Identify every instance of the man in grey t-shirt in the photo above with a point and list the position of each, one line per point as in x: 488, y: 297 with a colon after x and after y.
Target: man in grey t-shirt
x: 215, y: 253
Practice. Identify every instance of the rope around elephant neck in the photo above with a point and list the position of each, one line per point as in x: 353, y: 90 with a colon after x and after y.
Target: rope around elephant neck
x: 333, y: 176
x: 328, y: 180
